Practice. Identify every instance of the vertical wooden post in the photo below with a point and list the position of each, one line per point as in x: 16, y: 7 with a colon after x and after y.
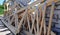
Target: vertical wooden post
x: 43, y: 18
x: 16, y: 18
x: 28, y: 24
x: 37, y: 21
x: 33, y: 26
x: 50, y: 20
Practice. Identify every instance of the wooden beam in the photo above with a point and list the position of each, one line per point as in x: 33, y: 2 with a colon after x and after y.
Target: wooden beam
x: 11, y: 28
x: 43, y: 18
x: 19, y: 26
x: 51, y: 17
x: 36, y: 2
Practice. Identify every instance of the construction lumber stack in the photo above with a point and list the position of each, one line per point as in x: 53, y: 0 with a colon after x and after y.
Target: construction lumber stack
x: 30, y: 19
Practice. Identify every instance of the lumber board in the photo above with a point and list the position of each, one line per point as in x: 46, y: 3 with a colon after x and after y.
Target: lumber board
x: 36, y: 2
x: 28, y: 23
x: 32, y: 19
x: 51, y: 17
x: 37, y: 25
x: 11, y: 28
x: 45, y: 30
x: 43, y: 18
x: 48, y: 3
x: 20, y: 23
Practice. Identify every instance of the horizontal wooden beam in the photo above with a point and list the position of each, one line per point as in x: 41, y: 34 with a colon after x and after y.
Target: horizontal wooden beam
x: 48, y: 3
x: 36, y: 2
x: 32, y: 4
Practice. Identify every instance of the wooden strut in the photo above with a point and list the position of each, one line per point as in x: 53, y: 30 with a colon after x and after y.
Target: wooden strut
x: 37, y: 19
x: 50, y: 20
x: 28, y: 24
x: 33, y: 26
x: 43, y: 18
x: 17, y: 27
x: 36, y: 2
